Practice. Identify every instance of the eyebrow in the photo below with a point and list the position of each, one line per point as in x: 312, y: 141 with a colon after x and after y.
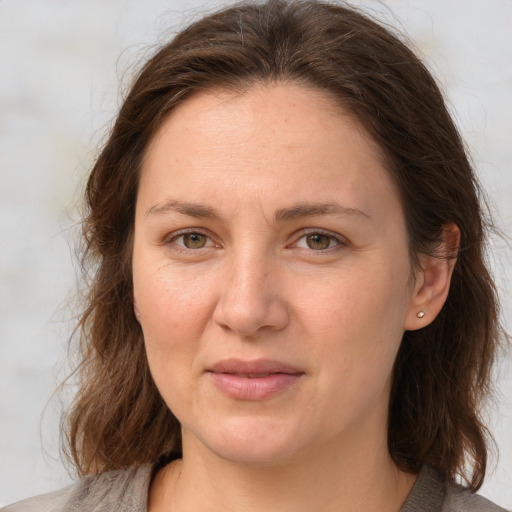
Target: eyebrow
x: 185, y: 208
x: 313, y: 209
x: 283, y: 214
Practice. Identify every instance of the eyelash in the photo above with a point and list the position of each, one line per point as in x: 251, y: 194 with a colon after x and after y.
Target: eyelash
x: 336, y: 239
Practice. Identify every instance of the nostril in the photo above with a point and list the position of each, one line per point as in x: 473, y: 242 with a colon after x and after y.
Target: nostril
x: 250, y: 301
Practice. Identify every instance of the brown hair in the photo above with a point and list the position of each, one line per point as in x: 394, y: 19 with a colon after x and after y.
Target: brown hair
x: 442, y: 372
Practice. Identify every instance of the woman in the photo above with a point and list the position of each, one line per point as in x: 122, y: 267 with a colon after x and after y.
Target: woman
x: 290, y: 309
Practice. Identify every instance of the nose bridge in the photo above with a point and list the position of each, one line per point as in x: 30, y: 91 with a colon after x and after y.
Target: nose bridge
x: 251, y: 265
x: 250, y: 299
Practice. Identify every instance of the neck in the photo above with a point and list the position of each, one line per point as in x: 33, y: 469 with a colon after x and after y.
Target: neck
x: 329, y: 479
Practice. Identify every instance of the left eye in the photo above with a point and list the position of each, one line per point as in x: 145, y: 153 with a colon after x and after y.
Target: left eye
x: 317, y: 241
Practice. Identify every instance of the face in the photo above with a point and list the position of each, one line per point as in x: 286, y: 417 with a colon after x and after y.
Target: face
x: 271, y: 274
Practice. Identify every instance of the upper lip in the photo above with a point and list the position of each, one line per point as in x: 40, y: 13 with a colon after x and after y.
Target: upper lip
x: 258, y: 366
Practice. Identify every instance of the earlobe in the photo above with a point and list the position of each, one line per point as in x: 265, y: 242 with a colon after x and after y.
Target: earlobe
x: 433, y: 280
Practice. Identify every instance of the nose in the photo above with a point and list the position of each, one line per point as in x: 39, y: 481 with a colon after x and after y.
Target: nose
x: 251, y: 301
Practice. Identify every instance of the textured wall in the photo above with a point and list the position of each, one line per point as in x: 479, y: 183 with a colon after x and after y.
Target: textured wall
x: 59, y: 75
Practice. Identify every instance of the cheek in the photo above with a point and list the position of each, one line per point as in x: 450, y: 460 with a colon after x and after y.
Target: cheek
x: 175, y: 310
x: 176, y: 300
x: 355, y: 304
x: 356, y: 323
x: 355, y: 335
x: 173, y: 316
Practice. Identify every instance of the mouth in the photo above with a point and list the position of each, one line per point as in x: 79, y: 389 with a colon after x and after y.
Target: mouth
x: 253, y: 380
x: 256, y: 368
x: 252, y: 375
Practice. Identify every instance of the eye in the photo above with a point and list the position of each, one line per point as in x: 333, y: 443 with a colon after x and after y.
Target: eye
x: 191, y: 240
x: 318, y: 241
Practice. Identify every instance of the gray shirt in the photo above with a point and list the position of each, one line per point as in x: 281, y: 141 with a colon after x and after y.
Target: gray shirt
x: 127, y: 491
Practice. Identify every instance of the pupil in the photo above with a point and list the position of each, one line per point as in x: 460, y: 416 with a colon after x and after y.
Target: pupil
x: 194, y: 240
x: 318, y: 241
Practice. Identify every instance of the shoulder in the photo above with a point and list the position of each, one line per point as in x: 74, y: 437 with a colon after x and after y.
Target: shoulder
x: 52, y: 502
x: 459, y: 499
x: 431, y: 493
x: 124, y: 490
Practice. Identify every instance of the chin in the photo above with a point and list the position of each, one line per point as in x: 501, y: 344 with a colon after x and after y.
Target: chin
x: 256, y: 442
x: 254, y: 454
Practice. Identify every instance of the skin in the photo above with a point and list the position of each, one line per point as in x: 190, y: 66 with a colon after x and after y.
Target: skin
x: 252, y: 285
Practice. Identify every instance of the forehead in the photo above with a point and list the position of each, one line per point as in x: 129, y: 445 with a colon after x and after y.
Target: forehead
x: 279, y: 136
x: 264, y: 110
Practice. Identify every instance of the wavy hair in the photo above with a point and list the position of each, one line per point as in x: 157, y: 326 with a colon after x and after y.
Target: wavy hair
x: 442, y: 372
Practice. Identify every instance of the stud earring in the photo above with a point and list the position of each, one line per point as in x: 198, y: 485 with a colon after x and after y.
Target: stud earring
x: 420, y: 314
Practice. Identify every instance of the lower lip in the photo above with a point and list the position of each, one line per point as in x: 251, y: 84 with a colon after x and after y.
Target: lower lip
x: 255, y: 388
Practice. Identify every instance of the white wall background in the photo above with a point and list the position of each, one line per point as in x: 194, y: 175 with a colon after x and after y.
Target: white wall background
x: 59, y: 75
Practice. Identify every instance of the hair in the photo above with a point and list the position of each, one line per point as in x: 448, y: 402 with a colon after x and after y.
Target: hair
x: 442, y: 372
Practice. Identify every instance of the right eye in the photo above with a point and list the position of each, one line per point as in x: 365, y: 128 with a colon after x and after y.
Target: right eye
x: 192, y: 240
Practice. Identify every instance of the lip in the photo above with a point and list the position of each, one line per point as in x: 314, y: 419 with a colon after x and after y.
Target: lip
x: 253, y: 380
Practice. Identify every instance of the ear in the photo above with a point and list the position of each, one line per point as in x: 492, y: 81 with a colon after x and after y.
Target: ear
x: 433, y: 280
